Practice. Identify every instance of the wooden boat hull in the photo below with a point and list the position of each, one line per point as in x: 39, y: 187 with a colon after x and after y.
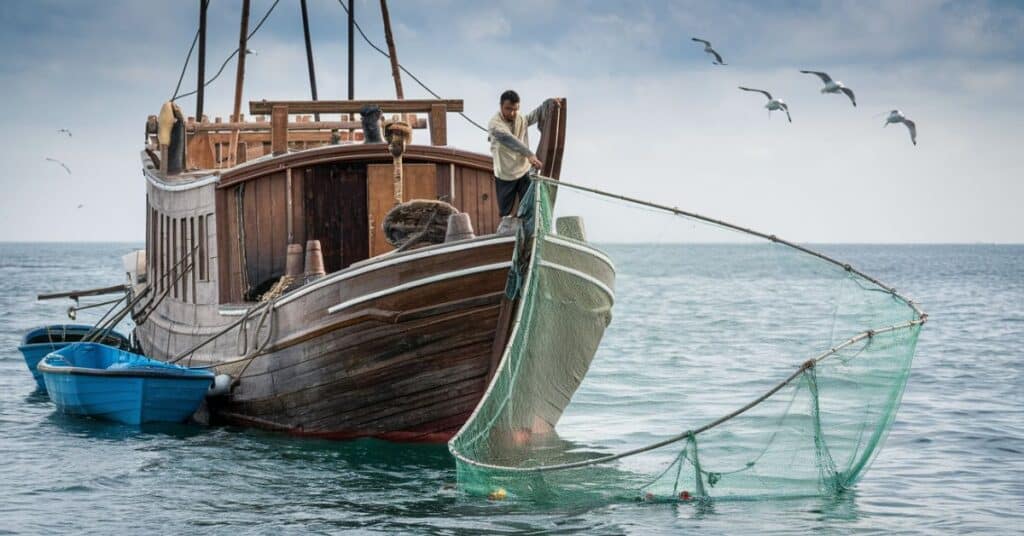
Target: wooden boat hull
x: 397, y: 347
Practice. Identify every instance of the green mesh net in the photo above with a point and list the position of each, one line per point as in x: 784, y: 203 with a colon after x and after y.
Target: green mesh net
x: 664, y: 356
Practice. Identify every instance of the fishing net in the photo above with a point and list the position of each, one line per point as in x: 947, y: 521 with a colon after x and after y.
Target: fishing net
x: 660, y: 355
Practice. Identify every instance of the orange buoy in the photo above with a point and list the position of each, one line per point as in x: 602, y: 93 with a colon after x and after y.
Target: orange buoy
x: 498, y: 494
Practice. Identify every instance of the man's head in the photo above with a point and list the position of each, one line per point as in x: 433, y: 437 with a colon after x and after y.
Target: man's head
x: 509, y: 105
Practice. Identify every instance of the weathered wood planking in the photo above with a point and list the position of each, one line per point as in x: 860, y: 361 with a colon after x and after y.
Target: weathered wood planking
x: 380, y: 197
x: 412, y: 360
x: 419, y: 181
x: 416, y: 378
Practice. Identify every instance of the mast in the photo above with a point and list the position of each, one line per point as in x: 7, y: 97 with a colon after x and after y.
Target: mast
x: 309, y: 53
x: 236, y: 116
x: 240, y: 74
x: 201, y: 70
x: 351, y: 50
x: 393, y: 55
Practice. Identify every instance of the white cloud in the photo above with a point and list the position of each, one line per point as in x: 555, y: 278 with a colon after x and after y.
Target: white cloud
x: 647, y: 115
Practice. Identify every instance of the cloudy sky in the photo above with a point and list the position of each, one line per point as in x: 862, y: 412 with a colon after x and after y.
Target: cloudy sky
x: 649, y: 115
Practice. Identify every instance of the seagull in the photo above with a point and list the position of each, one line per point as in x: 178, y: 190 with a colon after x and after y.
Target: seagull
x: 833, y: 86
x: 897, y: 116
x: 80, y: 206
x: 61, y: 164
x: 709, y: 50
x: 64, y: 131
x: 773, y: 103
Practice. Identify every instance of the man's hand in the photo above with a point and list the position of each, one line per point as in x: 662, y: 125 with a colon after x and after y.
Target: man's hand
x: 535, y: 162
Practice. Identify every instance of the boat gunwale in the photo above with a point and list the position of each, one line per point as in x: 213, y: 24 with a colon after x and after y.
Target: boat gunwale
x: 124, y: 373
x: 372, y: 264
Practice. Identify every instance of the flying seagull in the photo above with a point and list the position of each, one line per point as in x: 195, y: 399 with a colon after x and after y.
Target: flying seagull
x: 709, y: 50
x: 773, y: 103
x: 833, y: 86
x: 80, y: 206
x: 64, y: 131
x: 61, y: 164
x: 897, y: 116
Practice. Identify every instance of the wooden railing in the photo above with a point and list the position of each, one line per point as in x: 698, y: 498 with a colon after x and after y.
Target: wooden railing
x: 221, y: 144
x: 436, y: 110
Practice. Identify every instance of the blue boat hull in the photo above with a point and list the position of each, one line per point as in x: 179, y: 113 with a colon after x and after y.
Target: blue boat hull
x: 125, y: 399
x: 39, y: 342
x: 106, y: 383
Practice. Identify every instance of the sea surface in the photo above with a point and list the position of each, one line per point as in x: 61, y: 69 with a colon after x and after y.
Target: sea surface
x: 953, y: 462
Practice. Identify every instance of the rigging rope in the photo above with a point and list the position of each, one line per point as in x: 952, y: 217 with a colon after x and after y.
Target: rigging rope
x: 184, y: 66
x: 232, y: 55
x: 402, y: 67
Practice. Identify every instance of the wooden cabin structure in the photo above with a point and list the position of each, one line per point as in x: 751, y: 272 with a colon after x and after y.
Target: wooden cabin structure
x: 397, y: 344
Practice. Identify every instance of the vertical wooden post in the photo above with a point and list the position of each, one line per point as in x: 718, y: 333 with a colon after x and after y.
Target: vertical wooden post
x: 291, y: 211
x: 201, y: 70
x: 351, y: 50
x: 438, y: 124
x: 309, y: 53
x: 393, y: 55
x: 243, y: 35
x: 279, y: 129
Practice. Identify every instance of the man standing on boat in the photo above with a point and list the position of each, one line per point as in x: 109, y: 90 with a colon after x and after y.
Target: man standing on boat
x: 510, y: 148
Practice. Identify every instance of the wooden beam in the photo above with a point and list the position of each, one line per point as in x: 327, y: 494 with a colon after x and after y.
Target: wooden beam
x: 75, y: 294
x: 279, y: 129
x: 421, y: 123
x: 236, y: 116
x: 438, y: 124
x: 356, y: 106
x: 240, y: 73
x: 392, y: 53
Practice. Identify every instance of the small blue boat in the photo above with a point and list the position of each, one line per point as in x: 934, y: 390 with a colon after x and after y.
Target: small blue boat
x: 108, y: 383
x: 43, y: 340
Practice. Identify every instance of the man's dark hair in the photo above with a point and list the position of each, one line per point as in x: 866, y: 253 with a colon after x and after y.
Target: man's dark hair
x: 510, y: 96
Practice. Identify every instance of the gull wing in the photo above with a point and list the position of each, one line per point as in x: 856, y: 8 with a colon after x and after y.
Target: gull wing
x: 913, y: 130
x: 761, y: 91
x: 849, y: 93
x: 823, y: 76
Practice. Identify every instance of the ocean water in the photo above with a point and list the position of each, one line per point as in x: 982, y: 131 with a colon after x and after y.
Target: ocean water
x: 953, y: 462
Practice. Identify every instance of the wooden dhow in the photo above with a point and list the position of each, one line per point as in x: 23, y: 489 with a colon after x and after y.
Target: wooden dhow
x: 391, y: 344
x: 307, y: 260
